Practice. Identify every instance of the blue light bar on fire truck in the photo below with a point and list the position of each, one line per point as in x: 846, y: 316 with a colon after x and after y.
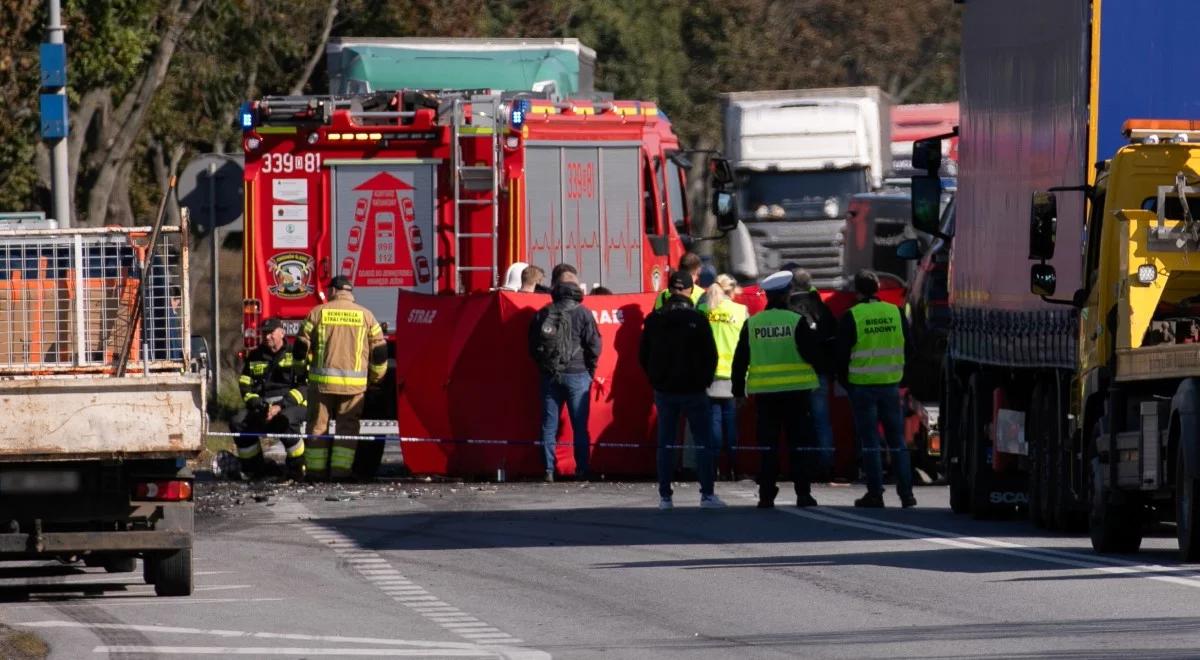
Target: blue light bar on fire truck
x: 517, y: 113
x: 246, y: 113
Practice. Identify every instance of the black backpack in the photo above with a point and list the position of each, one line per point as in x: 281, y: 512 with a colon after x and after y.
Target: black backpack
x: 556, y: 344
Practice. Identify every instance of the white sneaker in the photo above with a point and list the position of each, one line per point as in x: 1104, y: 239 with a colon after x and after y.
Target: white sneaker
x: 711, y: 502
x: 665, y: 504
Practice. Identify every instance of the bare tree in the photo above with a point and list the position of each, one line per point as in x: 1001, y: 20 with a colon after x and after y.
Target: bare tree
x: 318, y: 49
x: 119, y: 129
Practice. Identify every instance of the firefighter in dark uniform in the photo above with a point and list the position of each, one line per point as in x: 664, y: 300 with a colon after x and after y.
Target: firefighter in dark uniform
x: 272, y: 385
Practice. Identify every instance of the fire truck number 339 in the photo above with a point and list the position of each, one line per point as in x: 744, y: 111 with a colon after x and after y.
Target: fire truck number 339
x: 288, y: 163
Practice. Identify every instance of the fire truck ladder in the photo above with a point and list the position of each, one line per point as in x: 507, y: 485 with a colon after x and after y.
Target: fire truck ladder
x: 476, y: 178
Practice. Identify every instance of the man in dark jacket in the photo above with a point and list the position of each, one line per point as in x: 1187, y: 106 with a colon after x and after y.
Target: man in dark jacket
x: 679, y: 356
x: 872, y: 342
x: 565, y: 344
x: 806, y: 301
x: 773, y: 361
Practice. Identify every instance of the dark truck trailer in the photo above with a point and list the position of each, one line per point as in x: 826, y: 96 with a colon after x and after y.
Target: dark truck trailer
x: 1045, y: 89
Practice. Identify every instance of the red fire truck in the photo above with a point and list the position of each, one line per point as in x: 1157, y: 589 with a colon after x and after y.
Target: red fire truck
x: 439, y: 192
x: 424, y: 199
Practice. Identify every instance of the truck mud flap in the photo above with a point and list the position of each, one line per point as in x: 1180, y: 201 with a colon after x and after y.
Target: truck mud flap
x: 1002, y: 491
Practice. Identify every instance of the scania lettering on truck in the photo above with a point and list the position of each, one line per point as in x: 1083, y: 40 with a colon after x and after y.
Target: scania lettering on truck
x: 1076, y: 393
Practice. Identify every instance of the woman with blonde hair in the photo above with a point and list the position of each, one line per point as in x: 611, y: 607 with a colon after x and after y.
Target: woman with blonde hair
x: 726, y: 318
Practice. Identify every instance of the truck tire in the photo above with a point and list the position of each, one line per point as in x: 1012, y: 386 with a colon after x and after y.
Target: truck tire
x: 1114, y: 528
x: 1049, y: 478
x: 172, y: 572
x: 956, y: 462
x: 1187, y: 510
x: 148, y: 569
x: 979, y: 399
x: 1035, y: 427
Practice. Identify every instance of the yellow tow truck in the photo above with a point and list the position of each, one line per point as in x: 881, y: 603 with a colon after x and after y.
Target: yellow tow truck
x: 1132, y: 415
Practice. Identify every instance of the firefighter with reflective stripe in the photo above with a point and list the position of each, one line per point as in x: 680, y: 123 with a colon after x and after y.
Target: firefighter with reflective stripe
x: 345, y: 351
x: 272, y: 386
x: 871, y: 343
x: 773, y: 361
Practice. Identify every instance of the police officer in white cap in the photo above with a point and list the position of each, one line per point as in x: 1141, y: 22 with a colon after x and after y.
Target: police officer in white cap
x: 773, y: 361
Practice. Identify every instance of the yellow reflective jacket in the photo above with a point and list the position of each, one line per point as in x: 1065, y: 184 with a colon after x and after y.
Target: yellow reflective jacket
x: 340, y: 337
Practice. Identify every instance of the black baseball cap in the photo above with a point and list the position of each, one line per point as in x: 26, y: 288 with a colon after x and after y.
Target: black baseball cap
x: 341, y: 282
x: 271, y: 325
x: 681, y: 280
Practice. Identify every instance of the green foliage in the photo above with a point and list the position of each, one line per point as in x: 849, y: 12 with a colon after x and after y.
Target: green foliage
x: 681, y: 54
x: 108, y: 41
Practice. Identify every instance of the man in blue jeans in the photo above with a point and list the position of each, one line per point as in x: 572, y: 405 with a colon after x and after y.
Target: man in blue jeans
x: 871, y: 342
x: 565, y: 344
x: 679, y: 356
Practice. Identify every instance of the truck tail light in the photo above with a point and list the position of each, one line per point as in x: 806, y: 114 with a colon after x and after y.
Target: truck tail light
x: 935, y: 444
x: 251, y: 317
x: 163, y: 491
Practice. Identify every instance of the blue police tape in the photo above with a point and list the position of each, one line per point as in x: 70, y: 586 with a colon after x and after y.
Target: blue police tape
x: 518, y: 443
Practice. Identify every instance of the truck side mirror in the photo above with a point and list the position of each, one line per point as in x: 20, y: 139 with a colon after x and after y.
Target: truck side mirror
x: 909, y: 250
x: 724, y: 207
x: 1042, y: 280
x: 722, y: 173
x: 1043, y: 225
x: 743, y: 259
x: 926, y: 203
x: 927, y: 155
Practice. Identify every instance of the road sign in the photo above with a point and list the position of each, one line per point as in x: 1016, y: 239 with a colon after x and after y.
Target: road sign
x: 211, y: 187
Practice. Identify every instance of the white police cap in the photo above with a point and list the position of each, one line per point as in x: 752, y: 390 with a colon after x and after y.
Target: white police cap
x: 777, y: 281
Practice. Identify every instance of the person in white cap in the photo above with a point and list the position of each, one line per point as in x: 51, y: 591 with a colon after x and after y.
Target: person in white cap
x: 773, y: 361
x: 512, y: 277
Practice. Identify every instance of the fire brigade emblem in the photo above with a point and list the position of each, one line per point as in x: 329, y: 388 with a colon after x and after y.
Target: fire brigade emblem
x: 655, y: 278
x: 292, y: 272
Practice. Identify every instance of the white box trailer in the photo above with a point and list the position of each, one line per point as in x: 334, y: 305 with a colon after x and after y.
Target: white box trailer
x: 101, y: 401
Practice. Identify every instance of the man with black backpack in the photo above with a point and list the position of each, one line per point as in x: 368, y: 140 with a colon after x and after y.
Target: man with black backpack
x: 565, y: 344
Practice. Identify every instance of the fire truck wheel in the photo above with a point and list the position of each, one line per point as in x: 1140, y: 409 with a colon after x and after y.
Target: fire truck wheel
x: 172, y: 572
x: 1187, y: 510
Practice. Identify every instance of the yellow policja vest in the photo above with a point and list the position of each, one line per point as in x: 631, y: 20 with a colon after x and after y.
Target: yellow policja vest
x: 775, y: 363
x: 878, y: 354
x: 726, y: 320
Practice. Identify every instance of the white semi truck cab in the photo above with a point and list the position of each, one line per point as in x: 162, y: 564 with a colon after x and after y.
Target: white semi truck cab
x: 799, y: 156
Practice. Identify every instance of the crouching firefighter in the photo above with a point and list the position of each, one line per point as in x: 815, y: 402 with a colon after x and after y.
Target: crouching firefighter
x: 345, y: 350
x: 272, y: 384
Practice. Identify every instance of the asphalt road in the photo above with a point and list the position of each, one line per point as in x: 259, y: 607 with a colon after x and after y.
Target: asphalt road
x: 591, y: 571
